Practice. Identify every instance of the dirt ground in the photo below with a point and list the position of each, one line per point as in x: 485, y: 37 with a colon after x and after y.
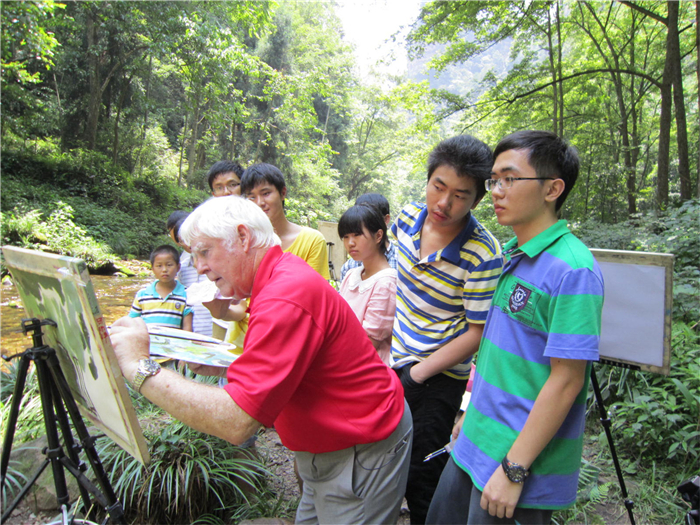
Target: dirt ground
x: 278, y: 459
x: 280, y: 462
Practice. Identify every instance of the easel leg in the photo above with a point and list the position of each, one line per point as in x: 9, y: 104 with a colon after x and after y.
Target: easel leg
x: 57, y: 403
x: 107, y: 497
x: 605, y: 420
x: 54, y: 451
x: 12, y: 418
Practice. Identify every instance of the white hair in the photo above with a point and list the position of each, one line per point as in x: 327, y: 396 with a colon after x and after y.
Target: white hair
x: 219, y: 218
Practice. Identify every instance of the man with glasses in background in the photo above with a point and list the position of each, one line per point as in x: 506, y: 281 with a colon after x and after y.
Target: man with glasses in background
x: 518, y: 451
x: 224, y: 178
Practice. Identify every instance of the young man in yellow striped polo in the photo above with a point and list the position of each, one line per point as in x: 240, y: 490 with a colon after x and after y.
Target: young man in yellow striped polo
x: 449, y: 265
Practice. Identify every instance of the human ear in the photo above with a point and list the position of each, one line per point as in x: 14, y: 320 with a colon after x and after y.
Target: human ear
x: 379, y: 234
x: 244, y: 237
x: 556, y: 188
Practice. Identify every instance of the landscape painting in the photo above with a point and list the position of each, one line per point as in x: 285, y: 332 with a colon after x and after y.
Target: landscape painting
x: 59, y: 288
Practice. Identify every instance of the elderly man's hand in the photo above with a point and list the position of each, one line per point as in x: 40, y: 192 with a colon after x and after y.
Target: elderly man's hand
x: 131, y: 343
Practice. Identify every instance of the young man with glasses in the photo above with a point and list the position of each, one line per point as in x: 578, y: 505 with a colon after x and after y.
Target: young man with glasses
x: 518, y: 452
x: 224, y: 178
x: 448, y: 269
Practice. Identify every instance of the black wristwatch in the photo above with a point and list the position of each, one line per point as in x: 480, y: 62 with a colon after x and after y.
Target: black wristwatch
x: 516, y: 473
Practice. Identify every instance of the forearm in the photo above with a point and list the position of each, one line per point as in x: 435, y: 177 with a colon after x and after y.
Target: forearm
x: 450, y: 355
x: 500, y: 495
x: 203, y: 407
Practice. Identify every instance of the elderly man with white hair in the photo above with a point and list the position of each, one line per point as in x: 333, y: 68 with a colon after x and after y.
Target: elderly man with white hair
x: 307, y: 367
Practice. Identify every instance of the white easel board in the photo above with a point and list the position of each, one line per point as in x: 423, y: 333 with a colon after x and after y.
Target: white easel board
x: 636, y: 327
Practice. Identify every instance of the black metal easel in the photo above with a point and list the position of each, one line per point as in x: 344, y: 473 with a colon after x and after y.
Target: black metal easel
x: 57, y: 403
x: 605, y: 420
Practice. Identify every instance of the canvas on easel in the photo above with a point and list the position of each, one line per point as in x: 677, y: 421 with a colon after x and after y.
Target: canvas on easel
x: 59, y: 288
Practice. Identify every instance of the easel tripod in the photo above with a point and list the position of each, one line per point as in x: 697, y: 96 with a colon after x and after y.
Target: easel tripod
x: 605, y: 420
x: 57, y: 404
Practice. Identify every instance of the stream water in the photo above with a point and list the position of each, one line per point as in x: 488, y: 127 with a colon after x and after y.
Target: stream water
x: 114, y: 294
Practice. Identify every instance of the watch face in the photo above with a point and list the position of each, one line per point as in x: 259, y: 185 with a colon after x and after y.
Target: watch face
x: 150, y: 366
x: 514, y: 472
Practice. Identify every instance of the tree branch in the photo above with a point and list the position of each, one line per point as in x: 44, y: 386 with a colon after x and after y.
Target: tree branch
x: 581, y: 73
x: 645, y: 11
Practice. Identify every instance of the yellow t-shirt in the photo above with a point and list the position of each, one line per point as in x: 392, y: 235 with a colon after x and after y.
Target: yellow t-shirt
x: 310, y: 245
x: 236, y: 331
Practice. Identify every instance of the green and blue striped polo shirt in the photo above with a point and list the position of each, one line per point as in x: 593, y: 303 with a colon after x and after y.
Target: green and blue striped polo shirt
x: 548, y: 304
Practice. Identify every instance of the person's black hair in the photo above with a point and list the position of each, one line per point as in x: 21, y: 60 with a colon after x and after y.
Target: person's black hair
x: 467, y: 155
x: 548, y: 154
x: 168, y: 249
x: 363, y: 215
x: 375, y: 199
x: 175, y: 220
x: 176, y: 229
x: 259, y: 173
x: 223, y: 166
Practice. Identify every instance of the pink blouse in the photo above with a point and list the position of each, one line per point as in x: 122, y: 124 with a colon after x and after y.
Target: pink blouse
x: 374, y: 303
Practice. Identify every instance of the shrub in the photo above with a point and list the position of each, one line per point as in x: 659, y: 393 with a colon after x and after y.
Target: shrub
x: 58, y: 234
x: 191, y: 474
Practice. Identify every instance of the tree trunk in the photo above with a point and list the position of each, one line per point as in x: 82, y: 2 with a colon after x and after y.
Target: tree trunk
x: 697, y: 73
x: 95, y: 91
x: 144, y: 128
x: 182, y: 152
x: 560, y: 45
x: 192, y: 149
x: 678, y: 101
x: 122, y: 98
x: 232, y: 154
x: 664, y: 132
x: 553, y: 71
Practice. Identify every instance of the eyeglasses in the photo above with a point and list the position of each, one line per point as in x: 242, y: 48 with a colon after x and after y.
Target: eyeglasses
x: 507, y: 182
x: 231, y: 187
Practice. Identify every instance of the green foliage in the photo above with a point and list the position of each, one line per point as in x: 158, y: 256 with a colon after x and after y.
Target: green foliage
x: 265, y: 505
x: 676, y: 231
x: 659, y: 416
x: 58, y: 234
x: 30, y: 421
x: 592, y: 491
x: 190, y: 474
x: 122, y: 214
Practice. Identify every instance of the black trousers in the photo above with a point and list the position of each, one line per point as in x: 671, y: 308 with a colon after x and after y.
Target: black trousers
x: 434, y: 405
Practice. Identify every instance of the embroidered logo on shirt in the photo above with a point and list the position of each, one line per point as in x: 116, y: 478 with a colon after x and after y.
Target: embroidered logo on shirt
x: 519, y: 297
x: 178, y: 306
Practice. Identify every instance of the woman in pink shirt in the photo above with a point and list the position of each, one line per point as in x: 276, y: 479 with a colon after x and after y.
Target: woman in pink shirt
x: 370, y: 289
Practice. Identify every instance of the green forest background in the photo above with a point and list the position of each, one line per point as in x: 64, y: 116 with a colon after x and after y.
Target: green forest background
x: 113, y: 111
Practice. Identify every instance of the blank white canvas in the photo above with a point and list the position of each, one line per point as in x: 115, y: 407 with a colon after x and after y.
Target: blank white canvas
x: 633, y: 313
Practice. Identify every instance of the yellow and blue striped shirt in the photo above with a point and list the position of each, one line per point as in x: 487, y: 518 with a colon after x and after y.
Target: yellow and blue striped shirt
x: 161, y: 311
x: 439, y: 295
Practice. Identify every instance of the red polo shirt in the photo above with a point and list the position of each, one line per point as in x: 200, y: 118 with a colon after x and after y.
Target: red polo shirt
x: 308, y: 367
